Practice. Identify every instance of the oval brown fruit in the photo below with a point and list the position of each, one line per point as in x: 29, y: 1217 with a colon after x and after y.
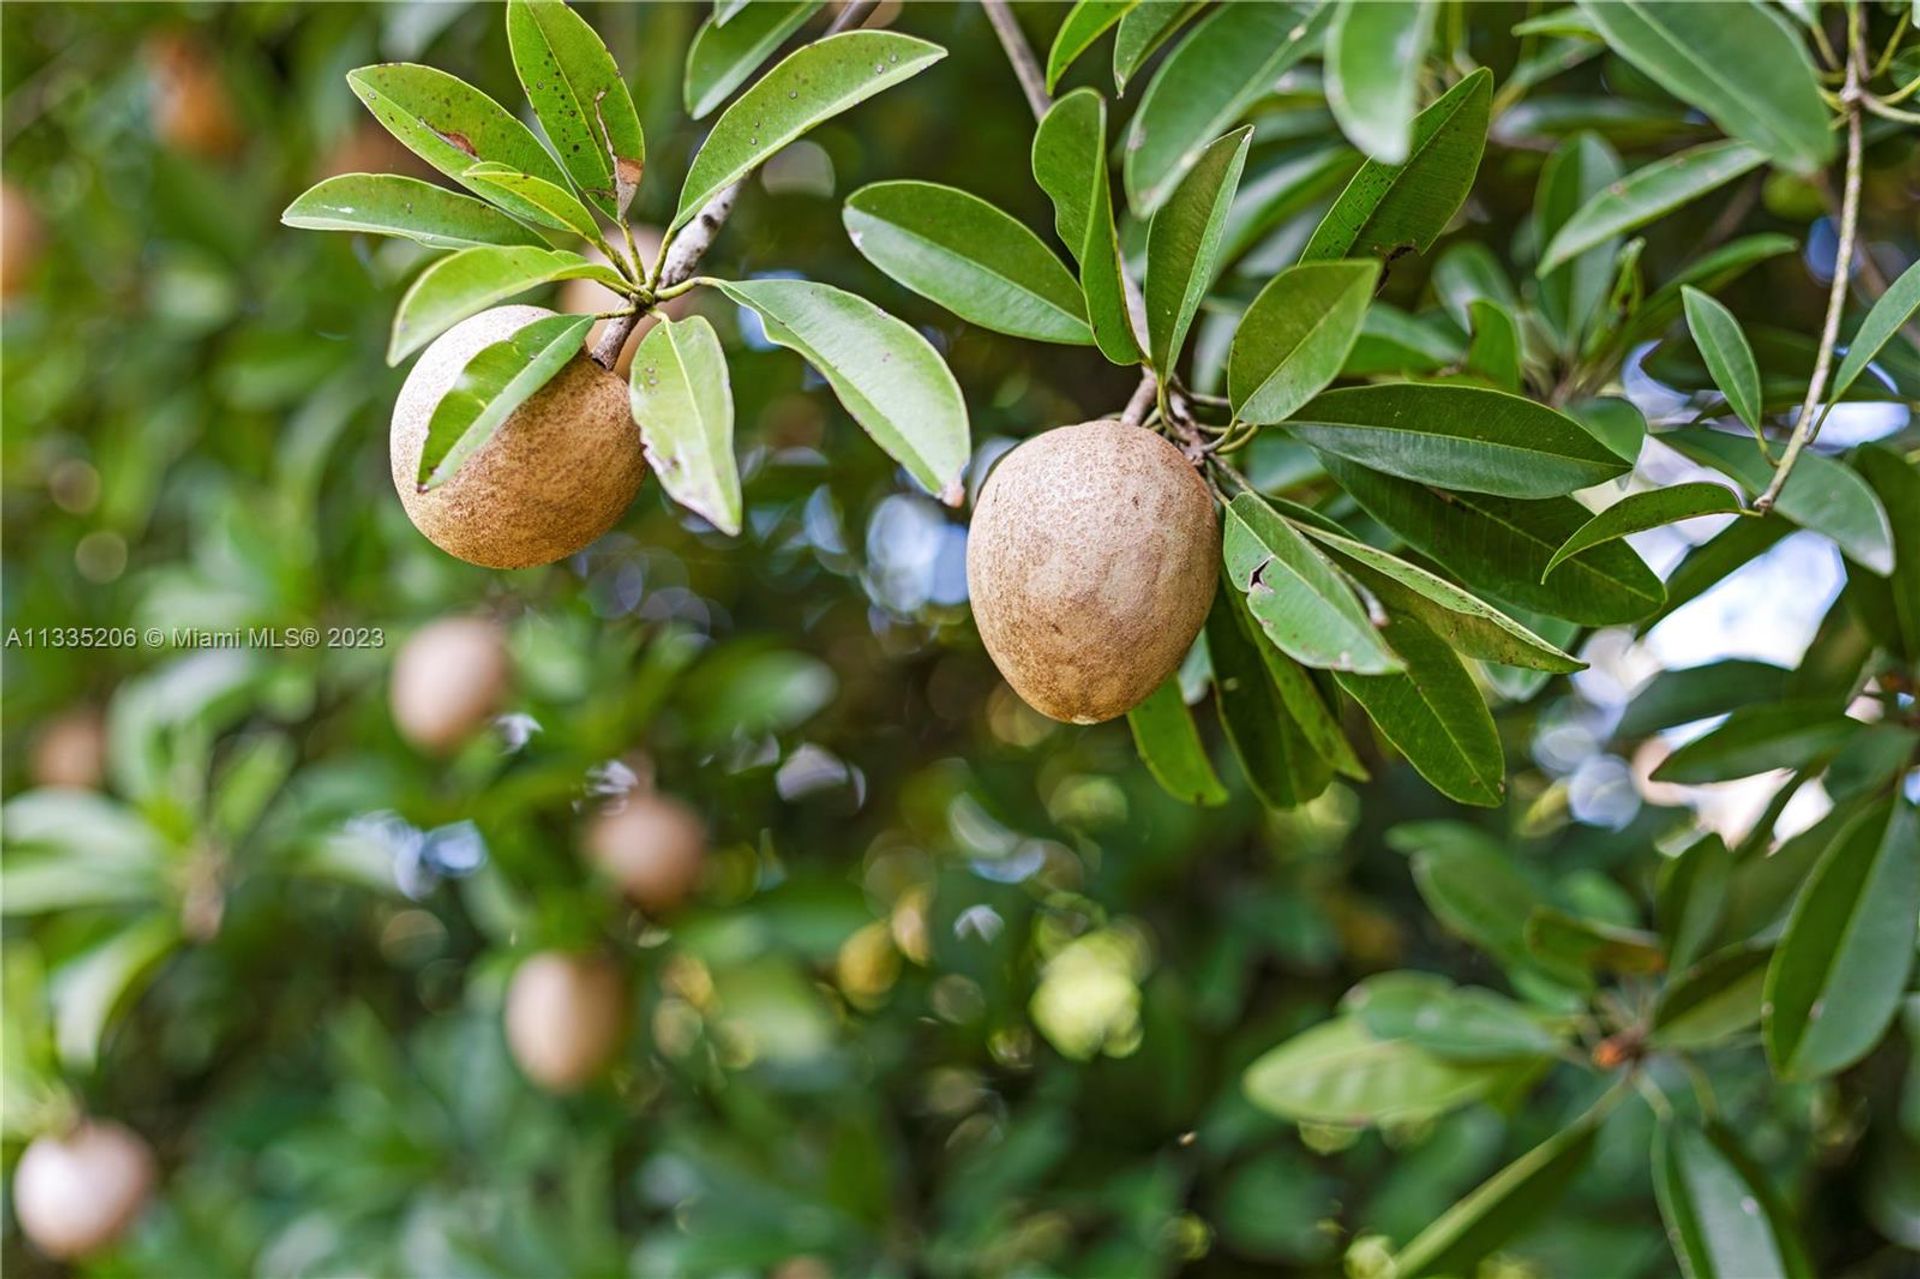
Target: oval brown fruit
x: 565, y: 1015
x: 559, y: 472
x: 77, y: 1192
x: 448, y: 681
x: 652, y: 847
x: 71, y: 751
x: 1091, y: 563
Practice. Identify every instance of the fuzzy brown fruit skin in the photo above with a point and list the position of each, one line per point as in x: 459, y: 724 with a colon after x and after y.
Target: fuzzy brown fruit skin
x: 77, y: 1192
x: 448, y: 681
x: 71, y: 751
x: 560, y: 471
x: 565, y: 1016
x: 652, y: 847
x: 1091, y: 563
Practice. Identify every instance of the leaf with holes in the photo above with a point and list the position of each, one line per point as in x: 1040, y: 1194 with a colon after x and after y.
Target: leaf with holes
x: 1299, y: 599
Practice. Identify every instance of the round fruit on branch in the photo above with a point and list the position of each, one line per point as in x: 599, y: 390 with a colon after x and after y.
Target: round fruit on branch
x: 651, y: 847
x: 77, y: 1192
x: 559, y: 472
x: 1091, y: 562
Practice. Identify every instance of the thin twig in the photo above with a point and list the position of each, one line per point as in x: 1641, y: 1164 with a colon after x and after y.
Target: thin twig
x: 1033, y: 81
x: 1803, y: 426
x: 1143, y: 398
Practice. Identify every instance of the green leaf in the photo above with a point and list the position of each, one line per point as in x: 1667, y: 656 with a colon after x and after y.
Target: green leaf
x: 1295, y: 336
x: 557, y: 206
x: 468, y: 282
x: 1230, y: 60
x: 386, y: 204
x: 1638, y: 512
x: 1615, y: 422
x: 1281, y: 766
x: 1699, y: 692
x: 1494, y: 352
x: 1692, y: 899
x: 809, y: 85
x: 1710, y: 271
x: 1314, y: 712
x: 1763, y: 889
x: 723, y: 56
x: 1713, y: 1002
x: 495, y: 382
x: 582, y: 102
x: 683, y: 404
x: 1500, y: 547
x: 963, y: 253
x: 1293, y: 182
x: 1499, y: 1207
x: 1434, y: 714
x: 452, y: 125
x: 1729, y: 359
x: 1837, y: 977
x: 1736, y: 62
x: 889, y: 377
x: 1388, y: 208
x: 1893, y: 308
x: 1338, y: 1073
x: 1466, y: 272
x: 1561, y: 940
x: 1722, y: 1216
x: 1648, y: 193
x: 1570, y: 295
x: 1070, y: 164
x: 1821, y: 494
x: 1391, y: 341
x: 1299, y: 599
x: 1183, y: 244
x: 1755, y: 739
x: 1458, y: 436
x: 1375, y: 50
x: 1459, y: 1024
x: 1143, y: 29
x: 90, y: 988
x: 1086, y: 22
x: 1169, y: 743
x: 1896, y: 482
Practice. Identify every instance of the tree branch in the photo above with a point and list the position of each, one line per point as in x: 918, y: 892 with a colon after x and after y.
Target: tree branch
x: 1033, y: 81
x: 1143, y: 399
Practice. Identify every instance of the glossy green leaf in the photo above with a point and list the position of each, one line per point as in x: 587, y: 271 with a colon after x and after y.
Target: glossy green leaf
x: 683, y: 403
x: 1638, y: 512
x: 1299, y: 599
x: 1821, y: 494
x: 496, y: 381
x: 1280, y: 764
x: 1183, y: 244
x: 1206, y: 83
x: 1685, y: 694
x: 1722, y: 1216
x: 1712, y: 1002
x: 1295, y: 336
x: 889, y: 377
x: 1338, y: 1073
x: 1570, y: 295
x: 1755, y: 739
x: 1841, y: 966
x: 1434, y: 714
x: 1070, y: 164
x: 723, y: 56
x: 1729, y: 359
x: 1648, y: 193
x: 557, y: 205
x: 1736, y: 62
x: 812, y: 84
x: 1494, y: 352
x: 1890, y: 310
x: 1457, y: 436
x: 1499, y: 1207
x: 1388, y: 208
x: 468, y: 282
x: 1615, y: 422
x: 1457, y: 1023
x: 1169, y: 744
x: 1499, y: 547
x: 1314, y: 710
x: 1692, y: 898
x: 452, y: 125
x: 963, y: 253
x: 1085, y: 22
x: 582, y: 102
x: 1391, y: 341
x: 1143, y: 29
x: 387, y: 204
x: 1375, y: 51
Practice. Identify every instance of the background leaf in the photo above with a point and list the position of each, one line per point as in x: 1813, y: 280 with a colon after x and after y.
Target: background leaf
x: 1648, y: 193
x: 1143, y: 29
x: 1500, y: 1207
x: 1338, y: 1073
x: 683, y: 405
x: 1890, y: 310
x: 1374, y: 53
x: 1722, y: 1217
x: 1281, y: 766
x: 1753, y: 739
x: 722, y: 57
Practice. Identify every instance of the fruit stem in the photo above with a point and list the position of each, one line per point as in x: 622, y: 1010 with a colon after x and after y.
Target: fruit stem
x: 1144, y: 395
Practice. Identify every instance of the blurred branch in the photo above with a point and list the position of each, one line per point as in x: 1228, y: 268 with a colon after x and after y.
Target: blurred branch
x: 1033, y: 81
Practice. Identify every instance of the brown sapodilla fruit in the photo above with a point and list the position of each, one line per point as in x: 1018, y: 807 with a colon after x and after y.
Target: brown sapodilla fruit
x: 77, y: 1192
x: 559, y: 472
x: 448, y: 681
x: 652, y: 847
x: 1091, y: 563
x: 71, y: 751
x: 565, y: 1015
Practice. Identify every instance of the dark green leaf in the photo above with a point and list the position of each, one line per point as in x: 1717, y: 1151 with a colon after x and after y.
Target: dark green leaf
x: 1648, y: 193
x: 1499, y: 1207
x: 1086, y: 22
x: 1183, y: 244
x: 496, y: 381
x: 1299, y: 599
x: 1169, y: 742
x: 1709, y: 272
x: 1391, y: 207
x: 1375, y: 49
x: 1338, y: 1073
x: 722, y: 57
x: 1896, y: 482
x: 1699, y: 692
x: 1458, y: 436
x: 1729, y: 359
x: 1615, y: 422
x: 1713, y: 560
x: 1494, y: 352
x: 1561, y: 940
x: 1638, y: 512
x: 812, y: 84
x: 1468, y: 272
x: 1295, y: 336
x: 1692, y: 898
x: 1309, y: 706
x: 1391, y: 341
x: 1870, y: 760
x: 1144, y: 28
x: 1570, y: 295
x: 468, y: 282
x: 1713, y: 1002
x: 1434, y: 714
x: 1755, y: 739
x: 963, y: 253
x: 1070, y: 164
x: 386, y: 204
x: 1722, y: 1216
x: 1891, y: 310
x: 1280, y: 764
x: 1838, y: 974
x: 577, y: 92
x: 683, y: 403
